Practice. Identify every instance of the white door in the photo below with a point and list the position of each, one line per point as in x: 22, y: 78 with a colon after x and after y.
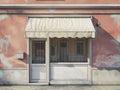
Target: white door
x: 37, y: 61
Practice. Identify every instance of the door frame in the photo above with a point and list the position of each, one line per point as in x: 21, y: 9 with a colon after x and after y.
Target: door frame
x: 29, y: 59
x: 47, y: 48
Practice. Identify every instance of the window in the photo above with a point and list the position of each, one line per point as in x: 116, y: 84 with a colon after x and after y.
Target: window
x: 80, y: 48
x: 38, y: 52
x: 52, y: 50
x: 68, y: 50
x: 63, y: 51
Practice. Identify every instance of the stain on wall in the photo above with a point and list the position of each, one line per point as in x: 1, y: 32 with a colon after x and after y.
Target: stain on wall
x: 12, y: 40
x: 2, y: 17
x: 4, y: 61
x: 5, y: 42
x: 8, y: 76
x: 108, y: 61
x: 106, y: 44
x: 116, y: 19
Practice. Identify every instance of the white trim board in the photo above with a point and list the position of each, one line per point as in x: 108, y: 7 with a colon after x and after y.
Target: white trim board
x: 60, y: 6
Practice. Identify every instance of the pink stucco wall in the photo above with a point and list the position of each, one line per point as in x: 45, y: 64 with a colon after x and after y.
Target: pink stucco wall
x: 13, y: 26
x: 105, y: 46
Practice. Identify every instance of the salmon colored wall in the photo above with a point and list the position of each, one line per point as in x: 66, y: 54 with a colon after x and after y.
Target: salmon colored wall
x: 105, y: 48
x: 12, y: 26
x: 106, y: 45
x: 59, y: 1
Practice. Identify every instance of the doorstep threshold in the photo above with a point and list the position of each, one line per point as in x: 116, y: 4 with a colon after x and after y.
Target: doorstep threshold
x: 82, y: 82
x: 44, y: 83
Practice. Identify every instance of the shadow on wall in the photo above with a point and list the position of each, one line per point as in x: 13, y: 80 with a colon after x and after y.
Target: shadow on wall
x: 105, y: 49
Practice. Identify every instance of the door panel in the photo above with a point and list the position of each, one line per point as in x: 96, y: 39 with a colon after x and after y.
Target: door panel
x: 38, y: 62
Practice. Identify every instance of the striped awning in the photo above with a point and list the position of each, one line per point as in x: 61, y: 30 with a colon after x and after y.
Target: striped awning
x: 59, y: 27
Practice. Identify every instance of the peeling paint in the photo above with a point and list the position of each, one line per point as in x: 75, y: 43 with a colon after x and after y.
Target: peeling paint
x: 116, y: 19
x: 108, y: 61
x: 118, y: 39
x: 115, y: 42
x: 2, y: 17
x: 4, y: 61
x: 5, y: 42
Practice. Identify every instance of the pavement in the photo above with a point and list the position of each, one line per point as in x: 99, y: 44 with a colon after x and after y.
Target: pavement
x: 77, y: 87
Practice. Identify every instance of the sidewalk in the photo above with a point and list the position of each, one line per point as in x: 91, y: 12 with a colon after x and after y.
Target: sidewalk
x: 60, y: 87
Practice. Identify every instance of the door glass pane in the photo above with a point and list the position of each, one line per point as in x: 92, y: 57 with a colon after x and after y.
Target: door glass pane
x: 38, y: 52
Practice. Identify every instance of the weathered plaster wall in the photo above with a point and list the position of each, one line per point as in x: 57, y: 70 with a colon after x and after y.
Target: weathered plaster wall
x: 106, y: 52
x: 106, y: 76
x: 14, y: 76
x: 12, y: 40
x: 60, y: 1
x: 106, y: 45
x: 105, y: 49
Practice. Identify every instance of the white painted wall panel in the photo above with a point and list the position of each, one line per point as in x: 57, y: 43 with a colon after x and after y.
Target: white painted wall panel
x: 106, y: 76
x: 38, y: 72
x: 69, y: 72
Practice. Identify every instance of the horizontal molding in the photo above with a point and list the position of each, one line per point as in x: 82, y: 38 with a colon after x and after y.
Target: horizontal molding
x: 13, y: 68
x: 59, y: 6
x: 59, y: 13
x: 70, y: 16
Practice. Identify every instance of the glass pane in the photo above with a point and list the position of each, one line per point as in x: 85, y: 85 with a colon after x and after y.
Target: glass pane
x: 38, y: 52
x: 63, y: 51
x: 80, y: 48
x: 52, y: 50
x: 67, y: 50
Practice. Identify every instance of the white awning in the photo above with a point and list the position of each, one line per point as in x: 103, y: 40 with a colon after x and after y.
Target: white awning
x: 59, y: 27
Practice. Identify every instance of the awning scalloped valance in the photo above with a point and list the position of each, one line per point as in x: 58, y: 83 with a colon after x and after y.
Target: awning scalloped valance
x: 59, y: 27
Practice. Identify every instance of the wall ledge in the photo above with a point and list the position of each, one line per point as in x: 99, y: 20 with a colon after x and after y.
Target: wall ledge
x: 59, y: 6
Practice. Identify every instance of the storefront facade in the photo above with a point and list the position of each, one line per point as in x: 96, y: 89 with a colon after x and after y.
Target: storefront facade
x: 59, y: 49
x: 59, y: 42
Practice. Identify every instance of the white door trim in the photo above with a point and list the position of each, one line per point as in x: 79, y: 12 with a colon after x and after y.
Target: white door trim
x: 29, y: 59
